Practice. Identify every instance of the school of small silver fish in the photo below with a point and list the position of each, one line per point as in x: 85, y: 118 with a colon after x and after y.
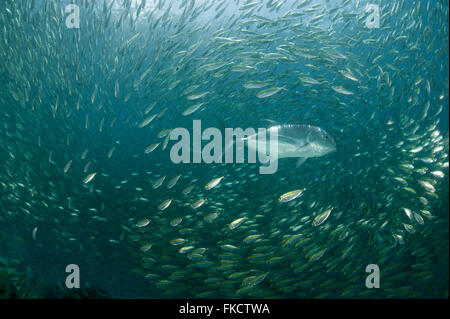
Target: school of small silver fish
x: 86, y: 176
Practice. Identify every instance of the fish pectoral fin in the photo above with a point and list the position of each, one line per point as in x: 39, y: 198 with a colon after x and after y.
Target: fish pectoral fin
x: 287, y: 139
x: 300, y: 161
x: 308, y: 138
x: 298, y: 144
x: 301, y: 148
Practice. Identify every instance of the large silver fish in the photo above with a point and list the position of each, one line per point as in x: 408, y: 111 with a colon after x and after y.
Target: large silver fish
x: 295, y: 140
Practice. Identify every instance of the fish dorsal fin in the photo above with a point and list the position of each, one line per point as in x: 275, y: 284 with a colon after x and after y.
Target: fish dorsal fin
x: 270, y: 122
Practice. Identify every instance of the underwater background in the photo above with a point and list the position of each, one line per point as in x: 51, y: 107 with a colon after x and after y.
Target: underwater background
x: 86, y: 176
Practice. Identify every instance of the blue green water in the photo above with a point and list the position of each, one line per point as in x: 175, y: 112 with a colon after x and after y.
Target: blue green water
x: 74, y: 102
